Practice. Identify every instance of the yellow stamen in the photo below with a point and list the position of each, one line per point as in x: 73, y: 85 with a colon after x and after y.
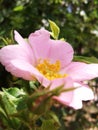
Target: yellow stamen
x: 50, y: 71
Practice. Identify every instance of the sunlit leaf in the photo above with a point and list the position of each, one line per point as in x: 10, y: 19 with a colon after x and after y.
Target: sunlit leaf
x: 55, y: 30
x: 48, y: 125
x: 18, y: 8
x: 87, y: 60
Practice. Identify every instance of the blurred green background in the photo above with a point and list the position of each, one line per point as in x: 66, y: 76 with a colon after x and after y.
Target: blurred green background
x: 78, y: 21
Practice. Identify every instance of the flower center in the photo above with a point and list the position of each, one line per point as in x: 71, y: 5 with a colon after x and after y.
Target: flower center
x: 50, y: 71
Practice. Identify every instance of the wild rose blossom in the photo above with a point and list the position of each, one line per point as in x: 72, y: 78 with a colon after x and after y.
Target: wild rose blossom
x: 50, y: 62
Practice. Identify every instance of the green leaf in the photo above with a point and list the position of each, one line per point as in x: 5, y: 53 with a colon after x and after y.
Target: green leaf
x: 34, y: 85
x: 8, y: 104
x: 15, y: 92
x: 62, y: 39
x: 48, y: 125
x: 18, y: 8
x: 55, y: 117
x: 55, y: 30
x: 21, y: 103
x: 5, y: 42
x: 87, y: 60
x: 8, y: 101
x: 13, y: 99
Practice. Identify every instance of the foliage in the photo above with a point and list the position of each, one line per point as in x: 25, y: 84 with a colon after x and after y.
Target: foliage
x: 25, y: 110
x: 77, y: 20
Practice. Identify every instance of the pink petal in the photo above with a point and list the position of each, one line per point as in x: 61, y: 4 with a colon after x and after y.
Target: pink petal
x: 76, y: 103
x: 25, y: 45
x: 22, y: 69
x: 26, y: 71
x: 83, y: 93
x: 39, y: 43
x: 12, y: 52
x: 19, y: 38
x: 61, y: 51
x: 79, y: 71
x: 64, y: 97
x: 45, y: 48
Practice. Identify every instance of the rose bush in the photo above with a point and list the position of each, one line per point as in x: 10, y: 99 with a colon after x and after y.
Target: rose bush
x: 50, y: 62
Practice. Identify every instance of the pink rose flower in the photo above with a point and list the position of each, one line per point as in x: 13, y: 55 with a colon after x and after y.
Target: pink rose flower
x: 50, y: 62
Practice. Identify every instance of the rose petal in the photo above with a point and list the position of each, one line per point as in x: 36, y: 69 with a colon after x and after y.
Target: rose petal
x: 26, y: 71
x: 61, y: 51
x: 39, y: 43
x: 83, y: 93
x: 45, y: 48
x: 19, y: 38
x: 64, y: 97
x: 25, y: 46
x: 79, y: 71
x: 11, y: 52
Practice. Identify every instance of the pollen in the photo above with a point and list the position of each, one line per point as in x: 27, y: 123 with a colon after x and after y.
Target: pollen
x: 50, y: 70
